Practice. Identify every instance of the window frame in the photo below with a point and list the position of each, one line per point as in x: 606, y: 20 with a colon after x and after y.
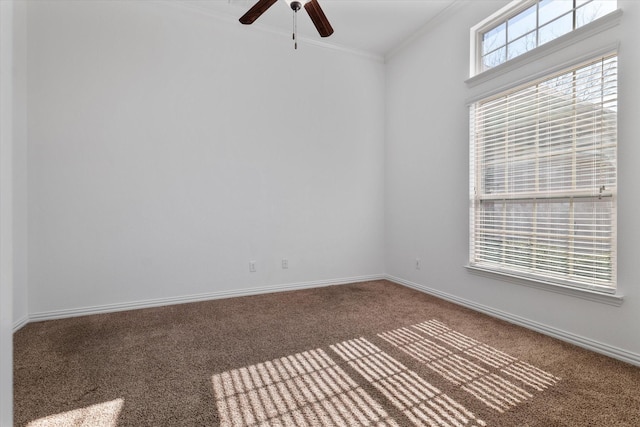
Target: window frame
x: 595, y: 39
x: 511, y: 10
x: 540, y: 197
x: 503, y: 15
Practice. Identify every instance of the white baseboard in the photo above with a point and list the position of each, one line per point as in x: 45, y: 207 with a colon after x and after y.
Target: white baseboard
x: 18, y: 324
x: 112, y: 308
x: 587, y: 343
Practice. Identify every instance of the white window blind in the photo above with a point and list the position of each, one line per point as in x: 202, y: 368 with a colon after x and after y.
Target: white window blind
x: 543, y: 178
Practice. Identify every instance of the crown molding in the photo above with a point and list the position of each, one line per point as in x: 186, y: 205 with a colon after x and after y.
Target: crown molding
x: 425, y: 28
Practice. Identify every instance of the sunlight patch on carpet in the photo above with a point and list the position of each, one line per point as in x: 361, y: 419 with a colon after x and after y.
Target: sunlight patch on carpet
x: 304, y: 389
x: 421, y: 402
x: 448, y: 352
x: 100, y: 415
x: 311, y: 389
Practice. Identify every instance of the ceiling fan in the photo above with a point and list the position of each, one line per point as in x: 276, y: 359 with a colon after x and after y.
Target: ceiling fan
x: 312, y: 7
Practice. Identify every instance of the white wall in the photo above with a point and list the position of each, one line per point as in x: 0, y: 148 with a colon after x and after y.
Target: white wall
x: 167, y: 149
x: 6, y: 212
x: 427, y: 187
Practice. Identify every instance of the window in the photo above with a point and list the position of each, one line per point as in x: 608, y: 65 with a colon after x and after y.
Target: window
x: 531, y: 24
x: 543, y: 178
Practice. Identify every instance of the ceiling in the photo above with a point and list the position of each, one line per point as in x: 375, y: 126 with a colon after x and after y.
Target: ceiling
x: 371, y: 27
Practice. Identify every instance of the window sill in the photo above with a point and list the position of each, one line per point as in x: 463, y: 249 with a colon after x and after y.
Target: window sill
x: 611, y: 299
x: 608, y: 21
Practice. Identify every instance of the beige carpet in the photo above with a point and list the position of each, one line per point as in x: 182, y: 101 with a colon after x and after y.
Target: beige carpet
x: 371, y: 353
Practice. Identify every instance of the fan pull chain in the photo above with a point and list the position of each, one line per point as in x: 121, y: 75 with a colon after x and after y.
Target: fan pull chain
x: 295, y: 29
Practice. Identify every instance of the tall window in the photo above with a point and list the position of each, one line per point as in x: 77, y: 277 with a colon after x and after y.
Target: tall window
x: 533, y: 24
x: 543, y: 178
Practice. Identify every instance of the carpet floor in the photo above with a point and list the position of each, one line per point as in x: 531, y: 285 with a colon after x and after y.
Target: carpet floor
x: 372, y: 353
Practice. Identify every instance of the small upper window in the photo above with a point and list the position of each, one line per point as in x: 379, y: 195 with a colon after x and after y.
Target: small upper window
x: 525, y: 25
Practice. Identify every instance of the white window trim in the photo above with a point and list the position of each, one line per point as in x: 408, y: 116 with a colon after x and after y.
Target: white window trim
x: 610, y: 299
x: 613, y: 297
x: 604, y: 23
x: 606, y: 50
x: 511, y: 9
x: 483, y: 88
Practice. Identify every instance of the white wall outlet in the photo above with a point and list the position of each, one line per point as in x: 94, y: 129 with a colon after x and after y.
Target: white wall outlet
x: 285, y: 263
x: 417, y: 263
x: 252, y: 266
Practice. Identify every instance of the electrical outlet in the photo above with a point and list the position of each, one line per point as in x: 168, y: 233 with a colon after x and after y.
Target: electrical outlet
x: 285, y: 263
x: 417, y: 263
x: 252, y: 266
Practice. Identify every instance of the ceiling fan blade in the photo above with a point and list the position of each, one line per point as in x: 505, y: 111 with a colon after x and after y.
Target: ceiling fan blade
x: 257, y: 10
x: 319, y: 18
